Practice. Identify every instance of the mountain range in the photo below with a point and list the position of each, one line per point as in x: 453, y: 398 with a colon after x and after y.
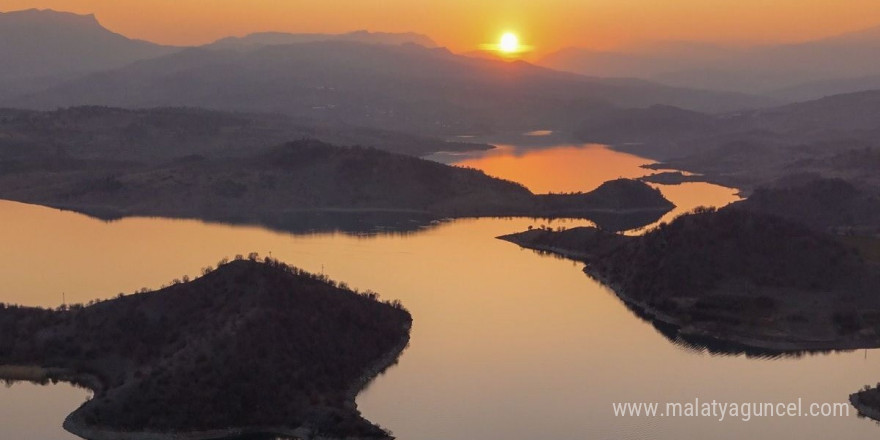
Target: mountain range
x: 832, y: 137
x: 386, y: 81
x: 257, y: 40
x: 788, y: 72
x: 40, y: 48
x: 404, y: 82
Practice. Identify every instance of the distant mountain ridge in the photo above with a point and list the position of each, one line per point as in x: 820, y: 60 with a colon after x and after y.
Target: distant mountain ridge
x: 403, y: 88
x: 45, y: 43
x: 42, y: 48
x: 851, y: 116
x: 796, y: 71
x: 259, y: 39
x: 398, y: 82
x: 832, y: 137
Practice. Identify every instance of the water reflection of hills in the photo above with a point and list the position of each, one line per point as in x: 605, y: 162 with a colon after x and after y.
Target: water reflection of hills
x: 366, y: 223
x: 375, y: 223
x: 310, y: 186
x: 718, y: 347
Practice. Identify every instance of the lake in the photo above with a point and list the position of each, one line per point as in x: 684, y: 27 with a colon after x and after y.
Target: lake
x: 506, y: 343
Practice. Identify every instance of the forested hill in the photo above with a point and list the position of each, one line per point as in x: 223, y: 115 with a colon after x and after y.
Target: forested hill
x: 249, y: 345
x: 736, y: 276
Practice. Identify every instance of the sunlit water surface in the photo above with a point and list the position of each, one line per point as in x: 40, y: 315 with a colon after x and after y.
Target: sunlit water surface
x: 573, y: 168
x: 506, y: 344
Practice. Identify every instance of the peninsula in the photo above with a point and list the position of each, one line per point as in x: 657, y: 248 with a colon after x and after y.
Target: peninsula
x: 734, y: 276
x: 253, y: 347
x: 278, y: 186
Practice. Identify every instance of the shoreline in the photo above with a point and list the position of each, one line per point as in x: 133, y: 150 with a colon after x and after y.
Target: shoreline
x: 746, y: 341
x: 407, y: 220
x: 40, y: 374
x: 112, y: 213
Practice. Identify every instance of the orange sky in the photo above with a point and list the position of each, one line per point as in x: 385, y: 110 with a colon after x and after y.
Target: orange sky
x: 463, y: 25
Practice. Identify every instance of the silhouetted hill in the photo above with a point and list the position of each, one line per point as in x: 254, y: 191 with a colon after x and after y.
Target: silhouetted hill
x: 735, y: 276
x: 260, y: 39
x: 278, y: 184
x: 260, y: 346
x: 845, y: 112
x: 161, y: 134
x: 649, y: 62
x: 671, y: 131
x: 403, y: 88
x: 827, y: 87
x: 761, y: 162
x: 582, y: 243
x: 39, y: 47
x: 824, y: 204
x: 616, y: 195
x: 831, y: 137
x: 616, y: 205
x: 655, y: 124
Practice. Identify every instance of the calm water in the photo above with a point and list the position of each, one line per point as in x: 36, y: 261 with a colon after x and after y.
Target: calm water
x: 506, y: 343
x: 573, y: 168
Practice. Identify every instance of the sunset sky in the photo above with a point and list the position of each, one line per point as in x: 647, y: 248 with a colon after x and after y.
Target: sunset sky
x: 462, y: 25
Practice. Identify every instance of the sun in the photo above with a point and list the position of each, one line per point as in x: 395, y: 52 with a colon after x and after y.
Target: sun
x: 509, y: 47
x: 509, y: 43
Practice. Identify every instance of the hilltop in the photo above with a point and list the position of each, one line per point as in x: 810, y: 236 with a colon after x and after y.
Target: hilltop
x: 40, y: 48
x: 248, y: 348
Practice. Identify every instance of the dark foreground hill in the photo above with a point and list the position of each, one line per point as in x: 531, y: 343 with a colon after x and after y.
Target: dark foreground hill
x: 279, y: 184
x: 735, y: 276
x: 250, y: 347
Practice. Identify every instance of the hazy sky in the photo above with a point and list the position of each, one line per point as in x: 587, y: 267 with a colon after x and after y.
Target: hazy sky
x: 463, y: 25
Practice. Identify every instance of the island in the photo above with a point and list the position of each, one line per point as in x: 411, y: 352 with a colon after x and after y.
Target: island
x: 671, y: 177
x: 301, y: 185
x: 736, y: 277
x: 253, y: 347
